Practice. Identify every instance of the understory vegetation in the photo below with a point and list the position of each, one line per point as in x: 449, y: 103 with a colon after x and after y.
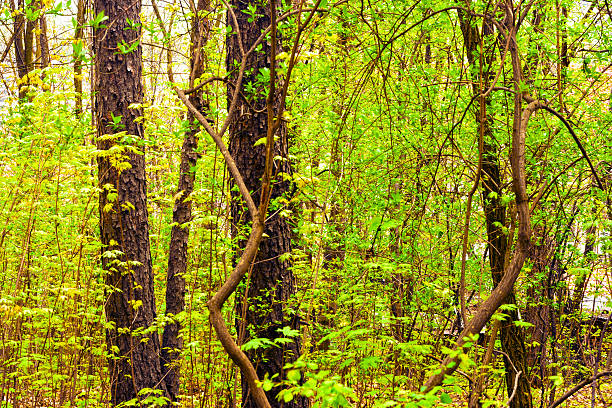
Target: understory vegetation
x: 401, y: 185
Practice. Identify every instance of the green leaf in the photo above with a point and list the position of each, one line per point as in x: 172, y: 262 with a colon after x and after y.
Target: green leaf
x: 294, y: 375
x: 98, y: 19
x: 261, y: 141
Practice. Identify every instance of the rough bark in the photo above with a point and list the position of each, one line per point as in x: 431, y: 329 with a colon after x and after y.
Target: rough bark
x: 124, y: 229
x: 538, y: 311
x: 261, y: 305
x: 172, y: 342
x: 512, y: 337
x: 18, y: 28
x: 28, y: 45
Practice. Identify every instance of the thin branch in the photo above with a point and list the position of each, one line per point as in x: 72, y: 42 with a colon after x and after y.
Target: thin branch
x: 528, y: 98
x: 516, y: 380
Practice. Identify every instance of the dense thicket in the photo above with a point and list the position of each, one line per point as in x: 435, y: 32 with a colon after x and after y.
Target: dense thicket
x: 441, y: 175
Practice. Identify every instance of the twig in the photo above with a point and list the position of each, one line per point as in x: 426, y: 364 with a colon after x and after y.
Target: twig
x: 516, y: 380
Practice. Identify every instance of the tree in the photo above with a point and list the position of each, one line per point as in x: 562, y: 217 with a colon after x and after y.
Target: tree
x: 172, y: 342
x: 400, y: 119
x: 29, y: 40
x: 134, y: 362
x: 512, y: 337
x: 505, y: 282
x: 262, y: 305
x: 79, y: 48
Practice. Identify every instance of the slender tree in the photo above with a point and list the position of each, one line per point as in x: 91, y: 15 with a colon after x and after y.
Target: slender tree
x: 172, y: 342
x: 134, y: 364
x: 78, y: 61
x: 42, y: 51
x: 261, y: 307
x: 23, y: 42
x: 512, y: 337
x: 505, y: 285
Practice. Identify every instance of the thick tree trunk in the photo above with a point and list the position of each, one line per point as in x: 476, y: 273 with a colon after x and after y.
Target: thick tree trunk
x: 261, y: 305
x: 124, y: 228
x: 172, y: 342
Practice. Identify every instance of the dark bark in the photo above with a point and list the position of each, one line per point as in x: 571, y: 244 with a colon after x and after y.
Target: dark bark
x: 28, y: 45
x: 512, y: 337
x: 172, y: 342
x: 30, y: 50
x: 261, y: 305
x: 124, y: 228
x: 538, y: 310
x: 19, y: 27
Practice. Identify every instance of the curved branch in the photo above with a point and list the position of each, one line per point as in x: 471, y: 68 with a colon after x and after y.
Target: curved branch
x: 215, y: 304
x: 217, y: 137
x: 204, y: 83
x: 575, y: 137
x: 528, y: 98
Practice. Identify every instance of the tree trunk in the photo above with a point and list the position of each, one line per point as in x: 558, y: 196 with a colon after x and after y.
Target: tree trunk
x: 261, y: 305
x: 172, y: 343
x: 43, y: 42
x: 22, y: 29
x: 78, y: 62
x: 124, y: 229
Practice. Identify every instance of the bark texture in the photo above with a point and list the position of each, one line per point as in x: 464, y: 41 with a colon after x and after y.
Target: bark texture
x: 261, y: 305
x: 512, y: 337
x: 124, y: 229
x: 172, y: 342
x: 43, y: 43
